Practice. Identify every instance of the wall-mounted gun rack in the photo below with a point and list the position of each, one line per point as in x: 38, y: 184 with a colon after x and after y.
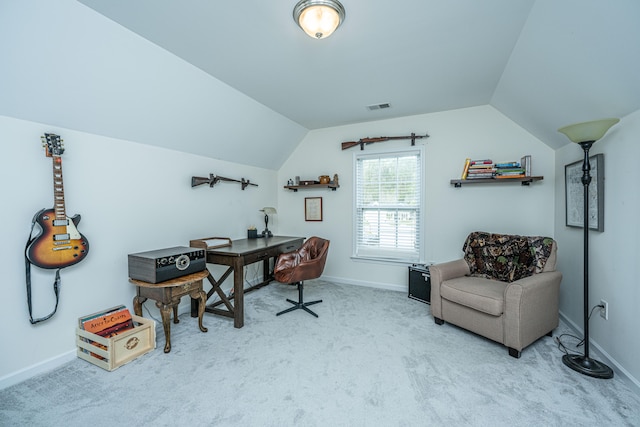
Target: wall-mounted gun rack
x: 214, y: 179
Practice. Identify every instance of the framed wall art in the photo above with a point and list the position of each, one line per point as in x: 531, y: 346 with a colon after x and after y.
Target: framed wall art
x: 574, y: 194
x: 313, y: 208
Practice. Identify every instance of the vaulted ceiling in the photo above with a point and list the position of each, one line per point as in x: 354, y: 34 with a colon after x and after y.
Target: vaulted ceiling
x: 542, y: 63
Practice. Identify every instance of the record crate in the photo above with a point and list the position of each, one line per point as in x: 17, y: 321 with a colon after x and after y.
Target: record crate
x: 111, y: 353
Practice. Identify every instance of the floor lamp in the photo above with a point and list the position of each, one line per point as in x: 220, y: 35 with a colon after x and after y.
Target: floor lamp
x: 586, y: 134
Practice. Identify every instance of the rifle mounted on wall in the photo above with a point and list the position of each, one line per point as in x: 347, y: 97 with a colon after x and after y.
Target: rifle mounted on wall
x: 214, y: 179
x: 368, y: 140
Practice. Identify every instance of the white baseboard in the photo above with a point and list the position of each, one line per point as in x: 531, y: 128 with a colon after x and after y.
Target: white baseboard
x: 619, y: 369
x: 37, y: 369
x: 387, y: 286
x: 57, y: 361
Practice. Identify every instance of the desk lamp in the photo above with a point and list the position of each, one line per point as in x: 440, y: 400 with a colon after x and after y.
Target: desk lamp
x: 585, y: 134
x: 267, y: 211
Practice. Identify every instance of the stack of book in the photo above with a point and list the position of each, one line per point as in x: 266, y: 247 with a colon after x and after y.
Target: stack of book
x: 509, y: 170
x: 478, y: 169
x: 481, y: 169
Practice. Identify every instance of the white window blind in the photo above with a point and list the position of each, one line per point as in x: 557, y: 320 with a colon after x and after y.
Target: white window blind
x: 388, y: 203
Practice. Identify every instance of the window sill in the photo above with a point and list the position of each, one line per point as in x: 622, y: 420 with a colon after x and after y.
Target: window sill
x: 373, y: 260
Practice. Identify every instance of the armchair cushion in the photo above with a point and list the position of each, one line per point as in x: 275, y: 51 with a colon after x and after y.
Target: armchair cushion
x: 478, y: 293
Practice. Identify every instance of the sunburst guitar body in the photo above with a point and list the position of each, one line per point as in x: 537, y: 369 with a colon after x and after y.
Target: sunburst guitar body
x: 59, y: 243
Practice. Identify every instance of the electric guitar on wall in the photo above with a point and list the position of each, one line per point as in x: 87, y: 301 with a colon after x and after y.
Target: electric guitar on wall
x: 59, y: 243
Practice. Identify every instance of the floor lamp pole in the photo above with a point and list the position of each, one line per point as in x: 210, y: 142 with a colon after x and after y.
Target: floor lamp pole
x: 585, y: 364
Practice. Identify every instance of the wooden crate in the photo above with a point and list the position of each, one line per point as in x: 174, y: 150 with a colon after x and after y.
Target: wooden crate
x: 120, y: 349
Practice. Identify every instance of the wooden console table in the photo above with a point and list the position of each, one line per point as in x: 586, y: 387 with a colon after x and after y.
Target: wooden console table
x: 241, y: 253
x: 167, y: 296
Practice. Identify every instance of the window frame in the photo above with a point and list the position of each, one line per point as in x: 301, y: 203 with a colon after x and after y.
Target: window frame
x: 390, y: 255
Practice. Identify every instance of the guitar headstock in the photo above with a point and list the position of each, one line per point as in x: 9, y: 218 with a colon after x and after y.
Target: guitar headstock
x: 52, y: 144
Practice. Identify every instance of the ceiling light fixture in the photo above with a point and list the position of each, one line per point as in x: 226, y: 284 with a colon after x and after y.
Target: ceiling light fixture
x: 318, y: 18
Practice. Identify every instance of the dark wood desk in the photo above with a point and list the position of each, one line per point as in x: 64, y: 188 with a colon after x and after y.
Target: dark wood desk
x: 241, y: 253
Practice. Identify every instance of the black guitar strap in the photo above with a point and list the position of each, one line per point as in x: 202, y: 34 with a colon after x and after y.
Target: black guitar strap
x: 56, y: 283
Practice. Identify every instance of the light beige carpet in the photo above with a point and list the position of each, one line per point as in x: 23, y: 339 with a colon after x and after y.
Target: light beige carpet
x: 372, y: 358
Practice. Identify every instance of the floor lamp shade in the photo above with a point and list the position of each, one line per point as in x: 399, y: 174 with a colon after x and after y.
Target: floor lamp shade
x: 588, y: 131
x: 586, y: 134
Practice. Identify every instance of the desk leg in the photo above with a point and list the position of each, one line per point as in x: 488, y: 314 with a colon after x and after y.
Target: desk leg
x: 165, y: 312
x: 238, y: 293
x: 265, y: 269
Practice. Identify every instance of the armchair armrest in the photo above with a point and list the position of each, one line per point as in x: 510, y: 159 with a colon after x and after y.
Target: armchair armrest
x: 531, y: 308
x: 441, y: 272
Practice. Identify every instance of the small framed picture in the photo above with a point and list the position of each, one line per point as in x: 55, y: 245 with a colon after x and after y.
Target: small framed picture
x: 574, y: 194
x: 313, y: 208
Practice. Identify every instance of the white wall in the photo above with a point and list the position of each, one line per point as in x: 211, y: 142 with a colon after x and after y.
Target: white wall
x: 132, y: 198
x: 65, y: 64
x: 613, y: 254
x: 451, y: 213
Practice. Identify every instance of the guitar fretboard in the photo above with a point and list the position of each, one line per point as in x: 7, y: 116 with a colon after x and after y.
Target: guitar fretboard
x: 58, y: 189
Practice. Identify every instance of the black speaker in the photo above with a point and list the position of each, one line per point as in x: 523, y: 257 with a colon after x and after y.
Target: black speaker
x: 420, y: 283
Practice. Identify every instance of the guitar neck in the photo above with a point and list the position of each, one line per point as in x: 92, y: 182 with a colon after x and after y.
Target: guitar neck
x: 58, y: 189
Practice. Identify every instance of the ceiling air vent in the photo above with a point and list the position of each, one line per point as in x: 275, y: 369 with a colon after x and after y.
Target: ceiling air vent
x: 378, y: 106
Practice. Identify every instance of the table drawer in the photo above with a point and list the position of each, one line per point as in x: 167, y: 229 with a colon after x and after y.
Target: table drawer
x: 259, y: 256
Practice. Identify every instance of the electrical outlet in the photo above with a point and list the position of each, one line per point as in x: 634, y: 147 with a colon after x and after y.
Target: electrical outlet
x: 604, y: 310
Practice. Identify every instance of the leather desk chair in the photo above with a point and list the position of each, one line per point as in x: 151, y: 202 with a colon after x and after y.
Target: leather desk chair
x: 305, y: 263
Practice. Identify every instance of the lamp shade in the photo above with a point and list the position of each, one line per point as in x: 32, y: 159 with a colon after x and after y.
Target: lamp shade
x: 269, y: 210
x: 588, y: 131
x: 318, y: 18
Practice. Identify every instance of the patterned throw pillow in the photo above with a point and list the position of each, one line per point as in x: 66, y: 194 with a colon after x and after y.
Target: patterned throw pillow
x: 541, y: 250
x: 505, y: 257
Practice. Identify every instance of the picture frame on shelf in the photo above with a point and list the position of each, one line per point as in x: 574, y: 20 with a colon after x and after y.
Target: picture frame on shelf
x: 313, y: 208
x: 574, y: 194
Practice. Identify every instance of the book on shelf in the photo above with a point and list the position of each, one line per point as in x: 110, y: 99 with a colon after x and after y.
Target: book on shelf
x: 505, y: 170
x: 510, y: 176
x: 482, y: 170
x: 465, y: 169
x: 481, y: 176
x: 510, y: 172
x: 508, y: 165
x: 481, y: 162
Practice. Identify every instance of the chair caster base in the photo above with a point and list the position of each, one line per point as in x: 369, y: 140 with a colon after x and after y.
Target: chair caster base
x: 298, y: 305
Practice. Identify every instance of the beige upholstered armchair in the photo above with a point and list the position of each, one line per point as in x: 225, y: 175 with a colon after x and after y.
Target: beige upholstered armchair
x: 505, y: 289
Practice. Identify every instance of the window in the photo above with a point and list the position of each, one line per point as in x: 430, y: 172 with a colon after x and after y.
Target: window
x: 388, y: 204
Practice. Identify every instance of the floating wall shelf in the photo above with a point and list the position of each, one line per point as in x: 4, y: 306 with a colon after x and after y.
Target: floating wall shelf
x: 333, y: 187
x: 524, y: 180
